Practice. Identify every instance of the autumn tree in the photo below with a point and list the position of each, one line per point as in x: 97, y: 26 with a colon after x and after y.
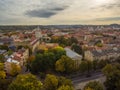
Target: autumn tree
x: 15, y: 69
x: 51, y: 82
x: 26, y: 82
x: 29, y: 61
x: 65, y: 88
x: 45, y: 61
x: 65, y: 65
x: 58, y: 52
x: 62, y: 81
x: 112, y: 73
x: 95, y: 85
x: 2, y: 72
x: 1, y: 66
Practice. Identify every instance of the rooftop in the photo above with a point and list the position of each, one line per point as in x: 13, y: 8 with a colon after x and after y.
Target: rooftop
x: 72, y: 54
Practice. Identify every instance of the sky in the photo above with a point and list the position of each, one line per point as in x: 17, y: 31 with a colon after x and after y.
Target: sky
x: 56, y: 12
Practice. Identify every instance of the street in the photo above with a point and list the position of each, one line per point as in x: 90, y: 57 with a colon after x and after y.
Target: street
x: 80, y: 81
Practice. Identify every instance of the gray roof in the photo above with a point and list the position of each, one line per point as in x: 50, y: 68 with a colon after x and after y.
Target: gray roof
x: 106, y: 52
x: 72, y: 54
x: 3, y: 51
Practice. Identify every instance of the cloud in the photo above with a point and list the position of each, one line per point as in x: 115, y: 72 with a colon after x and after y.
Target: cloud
x: 108, y: 6
x: 40, y: 13
x: 46, y: 12
x: 115, y: 5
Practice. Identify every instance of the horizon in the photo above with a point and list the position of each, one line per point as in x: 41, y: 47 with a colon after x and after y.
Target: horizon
x: 62, y: 24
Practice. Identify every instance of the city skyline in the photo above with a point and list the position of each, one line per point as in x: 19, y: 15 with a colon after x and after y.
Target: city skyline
x: 29, y: 12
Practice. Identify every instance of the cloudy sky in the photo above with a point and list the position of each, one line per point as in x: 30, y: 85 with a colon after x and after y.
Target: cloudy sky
x: 45, y: 12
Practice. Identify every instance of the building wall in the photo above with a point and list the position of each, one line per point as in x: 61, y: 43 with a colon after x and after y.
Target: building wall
x: 88, y: 56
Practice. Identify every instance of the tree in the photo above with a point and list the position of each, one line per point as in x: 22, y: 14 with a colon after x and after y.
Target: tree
x: 108, y: 68
x: 25, y: 82
x: 95, y: 64
x: 2, y: 74
x: 51, y: 82
x: 83, y: 66
x: 102, y: 64
x: 10, y: 52
x: 95, y: 85
x: 2, y: 58
x: 65, y: 65
x: 89, y: 67
x: 112, y: 73
x: 88, y: 88
x: 4, y: 83
x: 45, y: 61
x: 86, y: 66
x: 29, y: 61
x: 4, y: 47
x: 77, y: 48
x: 74, y: 40
x: 65, y: 88
x: 64, y: 81
x: 1, y: 66
x: 58, y: 52
x: 15, y: 69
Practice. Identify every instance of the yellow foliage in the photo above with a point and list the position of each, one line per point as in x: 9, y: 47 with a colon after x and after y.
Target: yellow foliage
x: 88, y: 88
x: 15, y: 69
x: 2, y: 74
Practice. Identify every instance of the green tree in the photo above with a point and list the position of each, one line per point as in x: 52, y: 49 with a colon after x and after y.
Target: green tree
x: 74, y: 40
x: 89, y: 66
x: 95, y: 85
x: 65, y: 88
x: 58, y: 52
x: 29, y: 62
x: 77, y: 48
x: 25, y: 82
x: 108, y: 68
x: 83, y: 66
x: 45, y: 61
x: 2, y: 58
x: 95, y: 64
x: 10, y: 52
x: 65, y: 65
x: 86, y: 66
x: 51, y: 82
x: 102, y: 64
x: 4, y: 47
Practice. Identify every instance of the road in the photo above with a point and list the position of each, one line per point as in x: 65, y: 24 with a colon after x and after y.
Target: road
x: 80, y: 81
